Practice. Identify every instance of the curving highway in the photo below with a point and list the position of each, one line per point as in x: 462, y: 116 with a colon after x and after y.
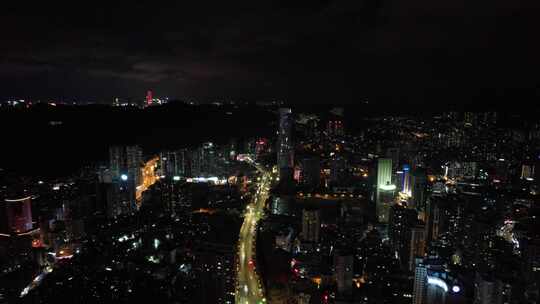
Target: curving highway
x: 249, y: 288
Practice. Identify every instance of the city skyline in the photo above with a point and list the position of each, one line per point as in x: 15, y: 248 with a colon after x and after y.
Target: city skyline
x: 408, y: 209
x: 271, y: 152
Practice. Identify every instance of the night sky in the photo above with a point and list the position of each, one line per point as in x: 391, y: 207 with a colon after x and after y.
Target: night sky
x: 414, y: 51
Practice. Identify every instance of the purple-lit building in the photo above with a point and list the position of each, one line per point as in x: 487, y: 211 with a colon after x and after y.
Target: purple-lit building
x: 17, y: 215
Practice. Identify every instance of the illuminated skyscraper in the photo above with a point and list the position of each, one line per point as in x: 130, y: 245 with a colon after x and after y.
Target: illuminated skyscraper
x: 18, y: 214
x: 527, y: 172
x: 434, y: 284
x: 125, y: 159
x: 174, y: 163
x: 209, y: 161
x: 285, y: 149
x: 420, y: 282
x: 384, y: 174
x: 125, y: 163
x: 385, y: 189
x: 406, y: 180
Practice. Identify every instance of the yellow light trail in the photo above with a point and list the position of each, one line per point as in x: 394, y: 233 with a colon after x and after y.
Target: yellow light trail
x: 249, y: 288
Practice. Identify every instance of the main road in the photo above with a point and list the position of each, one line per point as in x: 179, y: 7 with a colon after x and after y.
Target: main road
x: 249, y: 288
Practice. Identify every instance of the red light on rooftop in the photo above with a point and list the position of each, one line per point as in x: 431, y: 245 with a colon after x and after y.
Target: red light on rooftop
x: 149, y: 97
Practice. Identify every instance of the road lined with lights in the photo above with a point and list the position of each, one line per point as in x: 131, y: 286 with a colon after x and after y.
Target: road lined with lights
x: 249, y: 288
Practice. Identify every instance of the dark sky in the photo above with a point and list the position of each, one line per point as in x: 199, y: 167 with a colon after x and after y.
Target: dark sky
x: 413, y: 51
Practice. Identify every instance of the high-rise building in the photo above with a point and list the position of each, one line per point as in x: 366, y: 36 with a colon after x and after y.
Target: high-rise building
x: 407, y: 180
x: 437, y: 217
x: 18, y: 215
x: 182, y: 163
x: 166, y: 161
x: 384, y: 174
x: 401, y: 222
x: 308, y: 126
x: 393, y: 154
x: 303, y: 298
x: 469, y: 119
x: 335, y: 128
x: 285, y: 144
x: 214, y: 267
x: 462, y: 170
x: 418, y: 189
x: 134, y: 162
x: 125, y: 174
x: 205, y: 160
x: 338, y: 171
x: 261, y: 147
x: 209, y: 159
x: 124, y: 160
x: 311, y: 172
x: 420, y: 282
x: 173, y: 163
x: 385, y: 189
x: 417, y: 246
x: 311, y: 225
x: 196, y: 162
x: 531, y: 255
x: 343, y: 263
x: 489, y: 289
x: 527, y: 172
x: 281, y: 205
x: 116, y: 160
x: 434, y: 284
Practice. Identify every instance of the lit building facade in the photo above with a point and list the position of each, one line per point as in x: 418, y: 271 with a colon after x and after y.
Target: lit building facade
x: 285, y: 144
x: 174, y: 163
x: 18, y: 214
x: 527, y: 172
x: 434, y: 284
x: 385, y: 189
x: 405, y: 235
x: 125, y: 175
x: 384, y: 174
x: 406, y: 186
x: 335, y: 128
